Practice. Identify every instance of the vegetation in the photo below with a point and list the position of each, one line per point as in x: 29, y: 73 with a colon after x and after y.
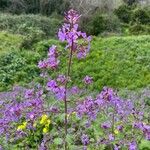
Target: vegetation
x: 44, y: 7
x: 59, y: 114
x: 81, y: 91
x: 120, y: 62
x: 30, y: 24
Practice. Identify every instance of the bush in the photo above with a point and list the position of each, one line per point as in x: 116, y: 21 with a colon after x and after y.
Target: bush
x: 9, y: 42
x: 139, y: 29
x: 30, y: 39
x: 141, y: 15
x: 98, y: 24
x: 124, y: 13
x: 26, y: 24
x: 131, y: 2
x: 17, y: 67
x: 34, y: 6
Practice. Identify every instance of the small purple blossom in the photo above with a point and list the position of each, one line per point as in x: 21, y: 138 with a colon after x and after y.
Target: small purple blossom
x: 62, y: 79
x: 88, y: 80
x: 85, y: 139
x: 52, y: 61
x: 106, y: 125
x: 133, y: 146
x: 111, y: 137
x: 74, y: 90
x: 29, y: 93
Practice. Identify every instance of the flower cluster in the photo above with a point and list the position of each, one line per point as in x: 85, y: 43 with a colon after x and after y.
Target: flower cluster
x: 52, y: 61
x: 22, y: 126
x: 69, y: 33
x: 59, y: 91
x: 46, y: 122
x: 119, y: 115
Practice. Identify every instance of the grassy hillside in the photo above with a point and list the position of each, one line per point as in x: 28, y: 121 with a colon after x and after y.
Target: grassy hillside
x: 119, y: 62
x: 9, y: 42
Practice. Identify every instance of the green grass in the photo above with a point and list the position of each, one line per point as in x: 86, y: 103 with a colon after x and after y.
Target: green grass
x: 8, y: 42
x: 118, y: 62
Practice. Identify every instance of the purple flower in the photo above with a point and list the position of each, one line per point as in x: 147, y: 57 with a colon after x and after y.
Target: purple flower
x: 42, y: 64
x: 87, y: 108
x: 75, y: 90
x: 133, y: 146
x: 88, y: 80
x: 72, y: 16
x: 120, y: 128
x: 61, y: 79
x: 106, y: 125
x: 85, y: 139
x: 69, y: 33
x: 60, y: 93
x: 116, y: 147
x: 146, y: 130
x: 29, y: 93
x: 52, y: 61
x: 52, y: 86
x: 111, y: 137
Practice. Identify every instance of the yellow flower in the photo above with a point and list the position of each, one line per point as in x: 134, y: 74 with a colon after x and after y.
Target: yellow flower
x: 48, y: 123
x: 25, y: 124
x: 116, y: 131
x: 22, y: 126
x: 45, y: 130
x: 73, y: 113
x: 44, y: 119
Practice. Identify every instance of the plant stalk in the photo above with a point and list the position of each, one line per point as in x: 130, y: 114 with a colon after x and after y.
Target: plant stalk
x: 66, y: 85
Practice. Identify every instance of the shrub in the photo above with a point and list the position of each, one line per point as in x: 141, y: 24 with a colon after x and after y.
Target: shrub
x: 98, y: 24
x: 124, y: 13
x: 9, y: 41
x: 141, y: 15
x: 138, y: 29
x: 34, y: 6
x: 30, y: 39
x: 17, y: 67
x: 131, y: 2
x: 26, y: 24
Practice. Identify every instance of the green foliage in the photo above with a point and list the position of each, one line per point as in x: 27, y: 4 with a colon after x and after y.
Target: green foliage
x: 117, y: 62
x: 135, y: 18
x: 137, y: 29
x: 99, y: 23
x: 124, y: 13
x: 17, y: 67
x: 9, y: 42
x: 141, y: 15
x: 30, y: 39
x: 145, y: 145
x: 45, y: 7
x: 29, y: 24
x: 131, y: 2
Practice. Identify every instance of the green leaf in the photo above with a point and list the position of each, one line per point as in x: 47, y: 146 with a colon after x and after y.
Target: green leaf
x: 58, y: 141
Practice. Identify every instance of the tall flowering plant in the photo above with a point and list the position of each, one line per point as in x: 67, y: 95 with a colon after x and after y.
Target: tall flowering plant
x: 55, y: 114
x: 70, y: 34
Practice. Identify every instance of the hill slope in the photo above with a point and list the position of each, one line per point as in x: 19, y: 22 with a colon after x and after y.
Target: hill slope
x: 118, y: 62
